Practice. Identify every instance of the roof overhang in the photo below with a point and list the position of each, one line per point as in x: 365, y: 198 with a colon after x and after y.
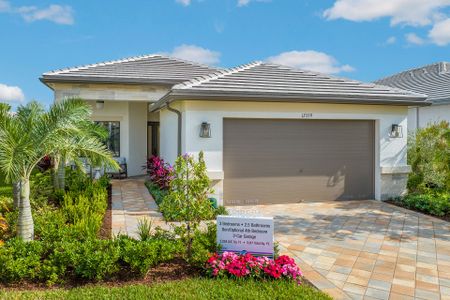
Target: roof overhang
x: 177, y: 95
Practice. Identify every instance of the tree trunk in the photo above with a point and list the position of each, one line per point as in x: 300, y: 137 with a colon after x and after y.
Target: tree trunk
x: 16, y: 193
x: 61, y: 174
x: 25, y: 224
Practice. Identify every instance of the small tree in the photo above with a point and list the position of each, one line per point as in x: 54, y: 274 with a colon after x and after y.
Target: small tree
x: 429, y: 157
x: 189, y: 190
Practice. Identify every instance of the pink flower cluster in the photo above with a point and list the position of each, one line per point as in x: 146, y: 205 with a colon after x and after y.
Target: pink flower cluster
x: 159, y: 171
x: 247, y: 265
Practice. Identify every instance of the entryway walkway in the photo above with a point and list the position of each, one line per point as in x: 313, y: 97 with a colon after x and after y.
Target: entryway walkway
x: 365, y: 249
x: 132, y: 202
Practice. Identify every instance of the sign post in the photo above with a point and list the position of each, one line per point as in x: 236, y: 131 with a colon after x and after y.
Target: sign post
x: 252, y: 235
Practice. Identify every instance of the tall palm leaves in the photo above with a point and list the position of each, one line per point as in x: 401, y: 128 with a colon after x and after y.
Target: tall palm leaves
x: 32, y: 133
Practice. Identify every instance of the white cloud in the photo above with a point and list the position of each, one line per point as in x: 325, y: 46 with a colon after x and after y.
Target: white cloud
x: 310, y: 60
x: 11, y: 93
x: 413, y: 38
x: 59, y: 14
x: 411, y: 12
x: 197, y: 54
x: 184, y: 2
x: 241, y: 3
x: 440, y: 33
x: 400, y: 12
x: 4, y: 6
x: 391, y: 40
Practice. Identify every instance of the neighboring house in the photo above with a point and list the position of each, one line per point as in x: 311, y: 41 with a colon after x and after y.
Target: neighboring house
x: 270, y: 134
x: 432, y: 80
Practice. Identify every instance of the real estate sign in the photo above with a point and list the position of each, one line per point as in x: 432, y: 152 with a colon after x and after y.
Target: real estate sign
x: 250, y: 234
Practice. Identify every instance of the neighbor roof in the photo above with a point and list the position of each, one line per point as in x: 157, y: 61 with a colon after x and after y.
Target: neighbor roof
x: 156, y: 69
x: 270, y: 82
x: 432, y: 80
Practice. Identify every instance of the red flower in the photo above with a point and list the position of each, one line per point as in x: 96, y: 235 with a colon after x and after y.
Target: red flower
x: 273, y: 270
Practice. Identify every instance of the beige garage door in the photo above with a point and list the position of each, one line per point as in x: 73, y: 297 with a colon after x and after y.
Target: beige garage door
x: 289, y: 161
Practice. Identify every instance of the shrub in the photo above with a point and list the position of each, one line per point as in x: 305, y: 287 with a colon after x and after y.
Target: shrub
x: 159, y: 172
x: 142, y: 255
x: 429, y: 157
x: 157, y: 193
x: 436, y: 204
x: 20, y: 260
x: 235, y: 266
x: 41, y: 189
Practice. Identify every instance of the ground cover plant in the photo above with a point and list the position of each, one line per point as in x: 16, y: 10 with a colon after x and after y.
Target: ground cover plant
x: 429, y: 181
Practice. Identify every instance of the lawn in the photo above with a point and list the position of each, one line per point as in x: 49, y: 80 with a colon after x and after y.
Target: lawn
x: 185, y: 289
x: 5, y: 189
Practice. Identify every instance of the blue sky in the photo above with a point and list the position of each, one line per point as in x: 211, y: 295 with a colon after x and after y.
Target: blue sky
x: 360, y: 39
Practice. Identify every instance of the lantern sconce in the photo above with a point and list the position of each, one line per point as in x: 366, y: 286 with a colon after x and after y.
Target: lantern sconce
x: 99, y: 104
x: 396, y: 131
x: 205, y: 130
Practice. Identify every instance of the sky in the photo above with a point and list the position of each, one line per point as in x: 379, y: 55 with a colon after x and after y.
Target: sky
x: 359, y: 39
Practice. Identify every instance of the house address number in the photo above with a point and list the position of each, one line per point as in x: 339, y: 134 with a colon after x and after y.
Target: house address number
x: 306, y: 115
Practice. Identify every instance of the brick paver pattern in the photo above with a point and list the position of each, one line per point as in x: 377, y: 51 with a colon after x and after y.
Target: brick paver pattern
x: 365, y: 249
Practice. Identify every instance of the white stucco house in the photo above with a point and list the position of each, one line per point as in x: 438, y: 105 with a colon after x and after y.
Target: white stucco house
x: 432, y: 80
x: 270, y: 134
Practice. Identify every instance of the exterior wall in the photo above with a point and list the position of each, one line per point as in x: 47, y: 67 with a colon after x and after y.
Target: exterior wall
x: 127, y: 104
x: 137, y: 137
x: 389, y: 152
x: 169, y: 134
x: 427, y: 115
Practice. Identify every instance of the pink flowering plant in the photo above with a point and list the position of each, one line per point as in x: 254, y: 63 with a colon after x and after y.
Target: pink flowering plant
x: 234, y: 265
x: 159, y: 172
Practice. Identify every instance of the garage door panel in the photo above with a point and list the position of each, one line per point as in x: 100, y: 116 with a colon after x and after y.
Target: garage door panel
x: 284, y: 161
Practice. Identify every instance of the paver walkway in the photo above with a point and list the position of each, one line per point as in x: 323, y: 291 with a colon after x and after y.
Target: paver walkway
x: 131, y: 202
x: 365, y: 249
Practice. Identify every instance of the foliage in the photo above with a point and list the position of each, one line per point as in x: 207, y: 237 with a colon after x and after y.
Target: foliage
x: 246, y: 265
x: 41, y: 188
x: 157, y: 193
x: 437, y: 204
x: 429, y: 157
x: 159, y: 172
x: 144, y: 229
x: 32, y: 133
x: 188, y: 289
x: 142, y: 255
x: 187, y: 199
x: 5, y: 188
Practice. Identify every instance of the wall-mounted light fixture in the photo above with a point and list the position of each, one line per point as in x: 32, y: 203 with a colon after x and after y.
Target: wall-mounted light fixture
x: 99, y: 104
x: 205, y: 130
x: 396, y: 131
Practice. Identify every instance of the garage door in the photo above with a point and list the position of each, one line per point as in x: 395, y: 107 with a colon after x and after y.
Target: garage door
x: 289, y: 161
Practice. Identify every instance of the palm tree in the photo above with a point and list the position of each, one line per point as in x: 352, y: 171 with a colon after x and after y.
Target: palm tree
x: 31, y: 134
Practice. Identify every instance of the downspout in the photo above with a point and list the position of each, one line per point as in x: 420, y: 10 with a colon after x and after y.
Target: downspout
x: 179, y: 126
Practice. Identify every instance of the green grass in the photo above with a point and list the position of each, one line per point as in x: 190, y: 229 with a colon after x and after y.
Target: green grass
x: 198, y: 288
x: 5, y: 189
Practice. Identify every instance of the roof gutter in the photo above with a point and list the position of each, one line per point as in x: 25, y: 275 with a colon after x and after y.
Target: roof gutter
x: 179, y: 116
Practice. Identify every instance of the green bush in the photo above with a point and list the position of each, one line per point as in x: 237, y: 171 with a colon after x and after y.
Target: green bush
x: 140, y: 256
x: 156, y: 192
x: 20, y: 260
x: 429, y: 157
x: 437, y: 204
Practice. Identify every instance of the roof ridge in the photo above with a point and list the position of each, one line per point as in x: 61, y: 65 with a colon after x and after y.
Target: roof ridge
x: 439, y: 64
x: 220, y: 73
x: 121, y: 60
x: 191, y: 62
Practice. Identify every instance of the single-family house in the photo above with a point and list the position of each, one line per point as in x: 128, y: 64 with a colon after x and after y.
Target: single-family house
x: 270, y: 133
x: 432, y: 80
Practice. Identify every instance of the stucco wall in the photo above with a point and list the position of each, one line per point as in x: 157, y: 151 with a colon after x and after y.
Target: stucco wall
x: 390, y: 152
x: 137, y: 137
x: 168, y: 134
x: 428, y: 115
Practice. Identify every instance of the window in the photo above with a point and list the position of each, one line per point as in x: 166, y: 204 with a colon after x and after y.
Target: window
x: 113, y: 141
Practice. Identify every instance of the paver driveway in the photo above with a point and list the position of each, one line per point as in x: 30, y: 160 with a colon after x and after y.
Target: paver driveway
x: 364, y: 249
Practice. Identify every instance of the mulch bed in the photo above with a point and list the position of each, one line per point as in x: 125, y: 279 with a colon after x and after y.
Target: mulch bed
x: 399, y: 204
x: 177, y: 269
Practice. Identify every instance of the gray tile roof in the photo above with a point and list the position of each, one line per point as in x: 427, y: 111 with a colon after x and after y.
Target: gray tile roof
x: 270, y: 82
x: 155, y: 69
x: 432, y: 80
